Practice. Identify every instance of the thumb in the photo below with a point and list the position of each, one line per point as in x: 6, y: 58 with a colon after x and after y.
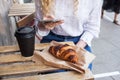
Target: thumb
x: 48, y: 17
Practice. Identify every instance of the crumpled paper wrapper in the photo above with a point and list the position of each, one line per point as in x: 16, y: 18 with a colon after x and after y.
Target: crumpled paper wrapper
x: 85, y: 58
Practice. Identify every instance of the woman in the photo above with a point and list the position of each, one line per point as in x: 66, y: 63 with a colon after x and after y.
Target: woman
x: 112, y: 6
x: 78, y: 21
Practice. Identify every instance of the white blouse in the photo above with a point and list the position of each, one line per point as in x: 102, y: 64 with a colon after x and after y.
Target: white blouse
x: 86, y: 22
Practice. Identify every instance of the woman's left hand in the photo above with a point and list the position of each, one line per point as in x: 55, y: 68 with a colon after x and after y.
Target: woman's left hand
x: 51, y: 25
x: 81, y: 44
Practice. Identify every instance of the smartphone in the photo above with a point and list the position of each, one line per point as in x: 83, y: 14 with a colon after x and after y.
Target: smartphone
x: 48, y: 21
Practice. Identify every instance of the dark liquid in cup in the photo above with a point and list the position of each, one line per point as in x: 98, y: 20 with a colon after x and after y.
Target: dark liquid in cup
x: 26, y: 40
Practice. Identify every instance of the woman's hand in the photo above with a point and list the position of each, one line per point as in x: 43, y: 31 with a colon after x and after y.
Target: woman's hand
x: 49, y: 25
x: 81, y: 44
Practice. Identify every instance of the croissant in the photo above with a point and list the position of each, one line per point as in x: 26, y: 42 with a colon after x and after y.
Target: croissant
x: 64, y: 52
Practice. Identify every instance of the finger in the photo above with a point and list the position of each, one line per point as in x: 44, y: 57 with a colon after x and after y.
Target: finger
x: 61, y: 21
x: 50, y: 23
x: 49, y: 26
x: 50, y: 17
x: 58, y: 23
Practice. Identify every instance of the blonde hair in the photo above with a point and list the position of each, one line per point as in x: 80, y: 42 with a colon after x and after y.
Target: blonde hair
x: 48, y: 7
x: 76, y: 2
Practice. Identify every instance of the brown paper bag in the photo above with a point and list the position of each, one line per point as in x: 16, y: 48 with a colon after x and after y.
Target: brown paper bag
x: 85, y: 58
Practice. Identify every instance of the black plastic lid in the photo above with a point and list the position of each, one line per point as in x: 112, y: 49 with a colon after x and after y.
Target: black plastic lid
x: 25, y: 31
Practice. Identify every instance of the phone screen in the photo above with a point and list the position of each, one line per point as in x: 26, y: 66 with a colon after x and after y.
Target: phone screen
x: 48, y: 21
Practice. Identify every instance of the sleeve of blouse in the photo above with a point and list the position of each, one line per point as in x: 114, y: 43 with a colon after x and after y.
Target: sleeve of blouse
x: 92, y: 26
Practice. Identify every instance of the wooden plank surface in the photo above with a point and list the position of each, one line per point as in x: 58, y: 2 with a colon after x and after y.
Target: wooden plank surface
x: 19, y: 14
x: 11, y: 58
x: 26, y: 5
x: 21, y: 9
x: 23, y: 68
x: 17, y: 11
x: 25, y: 20
x: 9, y: 48
x: 58, y: 76
x: 16, y: 48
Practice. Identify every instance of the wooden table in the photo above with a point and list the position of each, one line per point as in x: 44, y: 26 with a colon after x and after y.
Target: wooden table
x: 15, y: 67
